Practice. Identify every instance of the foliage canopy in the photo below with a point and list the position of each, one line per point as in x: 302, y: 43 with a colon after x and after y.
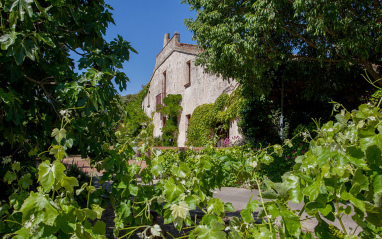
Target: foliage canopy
x: 245, y: 39
x: 39, y: 81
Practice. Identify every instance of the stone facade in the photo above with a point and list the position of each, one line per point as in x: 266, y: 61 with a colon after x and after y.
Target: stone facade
x: 176, y: 73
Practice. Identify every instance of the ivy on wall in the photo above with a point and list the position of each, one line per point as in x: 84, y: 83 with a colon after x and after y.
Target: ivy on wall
x: 171, y: 110
x: 206, y: 117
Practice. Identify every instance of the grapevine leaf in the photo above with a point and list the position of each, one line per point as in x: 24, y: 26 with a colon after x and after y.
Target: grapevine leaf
x: 215, y: 205
x: 133, y: 189
x: 361, y: 179
x: 25, y: 181
x: 264, y: 233
x: 172, y: 190
x: 39, y: 206
x: 325, y: 211
x: 295, y: 194
x: 373, y: 155
x: 377, y: 186
x: 180, y: 211
x: 16, y: 166
x: 313, y: 190
x: 292, y: 222
x: 99, y: 228
x: 213, y: 232
x: 59, y: 134
x: 190, y: 200
x: 49, y: 174
x: 68, y: 183
x: 10, y: 177
x: 368, y: 138
x: 229, y: 207
x: 246, y: 215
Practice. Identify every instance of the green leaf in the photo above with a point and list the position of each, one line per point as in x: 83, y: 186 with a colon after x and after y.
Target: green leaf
x: 23, y: 233
x: 213, y: 232
x: 133, y: 189
x: 263, y: 233
x: 295, y: 194
x: 7, y: 40
x: 369, y: 138
x: 16, y: 166
x: 313, y: 190
x: 190, y: 200
x: 215, y: 205
x: 373, y: 155
x: 25, y: 180
x: 68, y: 183
x: 99, y: 228
x: 59, y: 134
x: 229, y: 207
x: 58, y: 152
x: 182, y: 171
x: 21, y: 6
x: 246, y: 214
x: 10, y: 177
x: 50, y: 173
x: 180, y: 211
x: 172, y: 190
x: 292, y: 222
x: 325, y: 211
x: 361, y: 179
x: 377, y: 186
x: 39, y: 206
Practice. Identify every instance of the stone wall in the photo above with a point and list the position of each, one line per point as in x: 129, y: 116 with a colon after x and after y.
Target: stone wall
x: 172, y: 65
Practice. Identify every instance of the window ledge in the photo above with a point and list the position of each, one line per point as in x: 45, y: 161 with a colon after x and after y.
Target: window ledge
x: 187, y: 85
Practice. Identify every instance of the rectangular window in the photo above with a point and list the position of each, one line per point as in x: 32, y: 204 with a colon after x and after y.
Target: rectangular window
x: 188, y: 76
x: 164, y: 84
x: 148, y: 100
x: 188, y: 117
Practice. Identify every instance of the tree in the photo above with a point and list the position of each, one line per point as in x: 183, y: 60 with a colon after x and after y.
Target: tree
x: 40, y: 84
x: 247, y: 38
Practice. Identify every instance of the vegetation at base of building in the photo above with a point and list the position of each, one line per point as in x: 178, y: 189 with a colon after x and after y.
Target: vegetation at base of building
x: 342, y: 166
x: 171, y: 111
x: 207, y: 119
x: 134, y: 118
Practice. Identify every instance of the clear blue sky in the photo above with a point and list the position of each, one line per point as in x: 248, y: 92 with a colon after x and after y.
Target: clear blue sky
x: 143, y: 23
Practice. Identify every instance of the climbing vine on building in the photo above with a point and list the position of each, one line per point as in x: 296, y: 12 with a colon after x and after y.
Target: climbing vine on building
x: 207, y: 117
x: 171, y: 111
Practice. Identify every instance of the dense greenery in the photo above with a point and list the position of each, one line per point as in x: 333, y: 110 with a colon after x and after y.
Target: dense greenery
x: 245, y: 39
x: 39, y: 84
x: 207, y: 119
x: 171, y: 111
x: 340, y: 173
x: 46, y: 108
x: 134, y: 119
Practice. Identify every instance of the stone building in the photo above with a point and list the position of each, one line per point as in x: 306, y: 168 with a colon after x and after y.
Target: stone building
x: 176, y: 73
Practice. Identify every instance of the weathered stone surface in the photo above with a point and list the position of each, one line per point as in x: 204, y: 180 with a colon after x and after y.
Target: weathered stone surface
x: 176, y: 73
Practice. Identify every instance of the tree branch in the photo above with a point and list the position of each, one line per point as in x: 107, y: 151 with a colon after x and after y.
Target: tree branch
x: 301, y: 37
x: 49, y: 96
x: 81, y: 54
x: 315, y: 59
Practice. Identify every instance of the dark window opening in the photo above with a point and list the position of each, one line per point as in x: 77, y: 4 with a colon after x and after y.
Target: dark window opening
x: 188, y: 81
